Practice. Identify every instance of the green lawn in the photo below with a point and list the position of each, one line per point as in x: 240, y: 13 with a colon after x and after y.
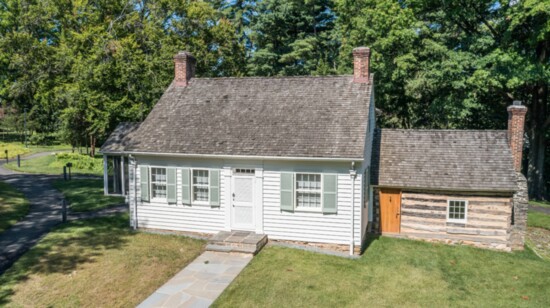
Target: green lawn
x: 95, y: 263
x: 53, y: 164
x: 540, y: 203
x: 86, y: 195
x: 13, y: 206
x: 539, y: 220
x: 18, y: 148
x: 392, y: 273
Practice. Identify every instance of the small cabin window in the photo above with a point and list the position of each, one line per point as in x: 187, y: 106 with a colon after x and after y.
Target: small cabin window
x: 457, y: 211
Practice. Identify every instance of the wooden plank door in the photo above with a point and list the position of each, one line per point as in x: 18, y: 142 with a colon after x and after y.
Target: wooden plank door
x: 390, y: 210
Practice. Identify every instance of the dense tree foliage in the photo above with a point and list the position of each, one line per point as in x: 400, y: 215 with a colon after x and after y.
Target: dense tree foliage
x: 80, y: 67
x: 83, y: 66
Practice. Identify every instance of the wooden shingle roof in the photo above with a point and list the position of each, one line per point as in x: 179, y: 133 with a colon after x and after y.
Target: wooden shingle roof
x: 443, y: 159
x: 320, y: 117
x: 120, y: 137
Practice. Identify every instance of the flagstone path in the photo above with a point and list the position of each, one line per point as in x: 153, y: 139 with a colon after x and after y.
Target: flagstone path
x: 200, y: 282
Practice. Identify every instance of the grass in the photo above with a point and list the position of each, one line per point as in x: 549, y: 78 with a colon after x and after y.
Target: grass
x: 540, y: 203
x: 53, y: 164
x: 95, y: 263
x: 17, y: 148
x: 392, y: 273
x: 13, y: 206
x: 538, y: 220
x: 86, y: 195
x: 538, y: 233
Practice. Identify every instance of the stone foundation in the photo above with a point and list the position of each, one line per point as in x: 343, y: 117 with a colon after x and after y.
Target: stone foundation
x: 339, y: 248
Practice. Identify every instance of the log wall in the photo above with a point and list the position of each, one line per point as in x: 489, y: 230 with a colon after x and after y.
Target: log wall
x: 424, y: 216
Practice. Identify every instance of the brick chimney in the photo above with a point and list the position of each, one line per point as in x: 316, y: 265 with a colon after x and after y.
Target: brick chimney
x: 361, y: 62
x: 516, y: 122
x: 184, y: 68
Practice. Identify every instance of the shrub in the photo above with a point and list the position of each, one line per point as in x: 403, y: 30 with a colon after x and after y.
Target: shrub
x: 79, y: 161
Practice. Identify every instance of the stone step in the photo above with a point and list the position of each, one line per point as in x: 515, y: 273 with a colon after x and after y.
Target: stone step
x: 236, y: 245
x: 223, y: 248
x: 237, y: 241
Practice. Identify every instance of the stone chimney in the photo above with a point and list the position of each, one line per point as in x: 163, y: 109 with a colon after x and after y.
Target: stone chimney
x: 184, y: 68
x: 516, y: 122
x: 361, y: 62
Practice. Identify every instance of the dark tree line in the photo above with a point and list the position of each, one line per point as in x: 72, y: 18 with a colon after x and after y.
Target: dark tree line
x: 80, y: 67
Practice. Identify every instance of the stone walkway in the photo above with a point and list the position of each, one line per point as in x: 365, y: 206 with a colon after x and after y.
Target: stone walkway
x: 201, y: 282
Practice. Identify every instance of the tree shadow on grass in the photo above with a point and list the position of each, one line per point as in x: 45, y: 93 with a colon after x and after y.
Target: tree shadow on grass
x: 86, y: 195
x: 65, y: 249
x: 370, y: 239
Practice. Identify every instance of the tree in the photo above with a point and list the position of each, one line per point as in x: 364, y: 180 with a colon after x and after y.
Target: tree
x: 85, y: 66
x: 293, y: 37
x: 457, y: 64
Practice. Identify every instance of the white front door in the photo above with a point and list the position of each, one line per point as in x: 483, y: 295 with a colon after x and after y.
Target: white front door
x: 242, y: 207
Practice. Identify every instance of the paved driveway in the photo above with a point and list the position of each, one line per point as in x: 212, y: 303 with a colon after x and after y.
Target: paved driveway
x: 44, y: 212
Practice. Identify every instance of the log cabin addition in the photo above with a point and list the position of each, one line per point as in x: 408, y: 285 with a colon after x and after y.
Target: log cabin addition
x: 300, y: 159
x: 454, y: 186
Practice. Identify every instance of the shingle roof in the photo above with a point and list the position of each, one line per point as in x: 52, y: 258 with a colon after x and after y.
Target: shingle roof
x: 443, y: 159
x: 322, y: 117
x: 120, y: 137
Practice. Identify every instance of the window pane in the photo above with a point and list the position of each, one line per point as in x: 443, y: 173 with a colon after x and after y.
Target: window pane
x: 159, y: 191
x: 158, y: 174
x: 200, y: 177
x: 308, y: 200
x: 200, y: 193
x: 457, y: 210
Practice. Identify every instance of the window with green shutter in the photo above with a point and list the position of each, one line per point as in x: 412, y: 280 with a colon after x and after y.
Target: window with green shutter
x: 215, y: 188
x: 287, y: 191
x: 308, y: 191
x: 158, y: 184
x: 171, y: 185
x: 201, y: 186
x: 144, y: 180
x: 185, y: 186
x: 330, y: 193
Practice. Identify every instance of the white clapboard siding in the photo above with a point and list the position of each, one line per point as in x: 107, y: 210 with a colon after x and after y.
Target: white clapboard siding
x: 297, y: 226
x: 179, y: 217
x: 311, y: 226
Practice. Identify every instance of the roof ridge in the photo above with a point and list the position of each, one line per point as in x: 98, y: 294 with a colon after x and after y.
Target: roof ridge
x: 274, y: 77
x: 442, y: 130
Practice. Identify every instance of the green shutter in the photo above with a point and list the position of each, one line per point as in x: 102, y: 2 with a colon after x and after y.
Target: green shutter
x: 214, y: 188
x: 171, y: 185
x: 185, y: 186
x: 144, y: 179
x: 287, y: 191
x: 330, y: 188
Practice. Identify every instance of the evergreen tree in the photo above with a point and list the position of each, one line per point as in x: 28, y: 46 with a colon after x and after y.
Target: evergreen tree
x: 293, y: 37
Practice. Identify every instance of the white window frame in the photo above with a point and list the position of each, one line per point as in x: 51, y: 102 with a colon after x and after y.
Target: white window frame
x: 193, y: 201
x: 305, y: 209
x: 449, y: 211
x: 156, y: 199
